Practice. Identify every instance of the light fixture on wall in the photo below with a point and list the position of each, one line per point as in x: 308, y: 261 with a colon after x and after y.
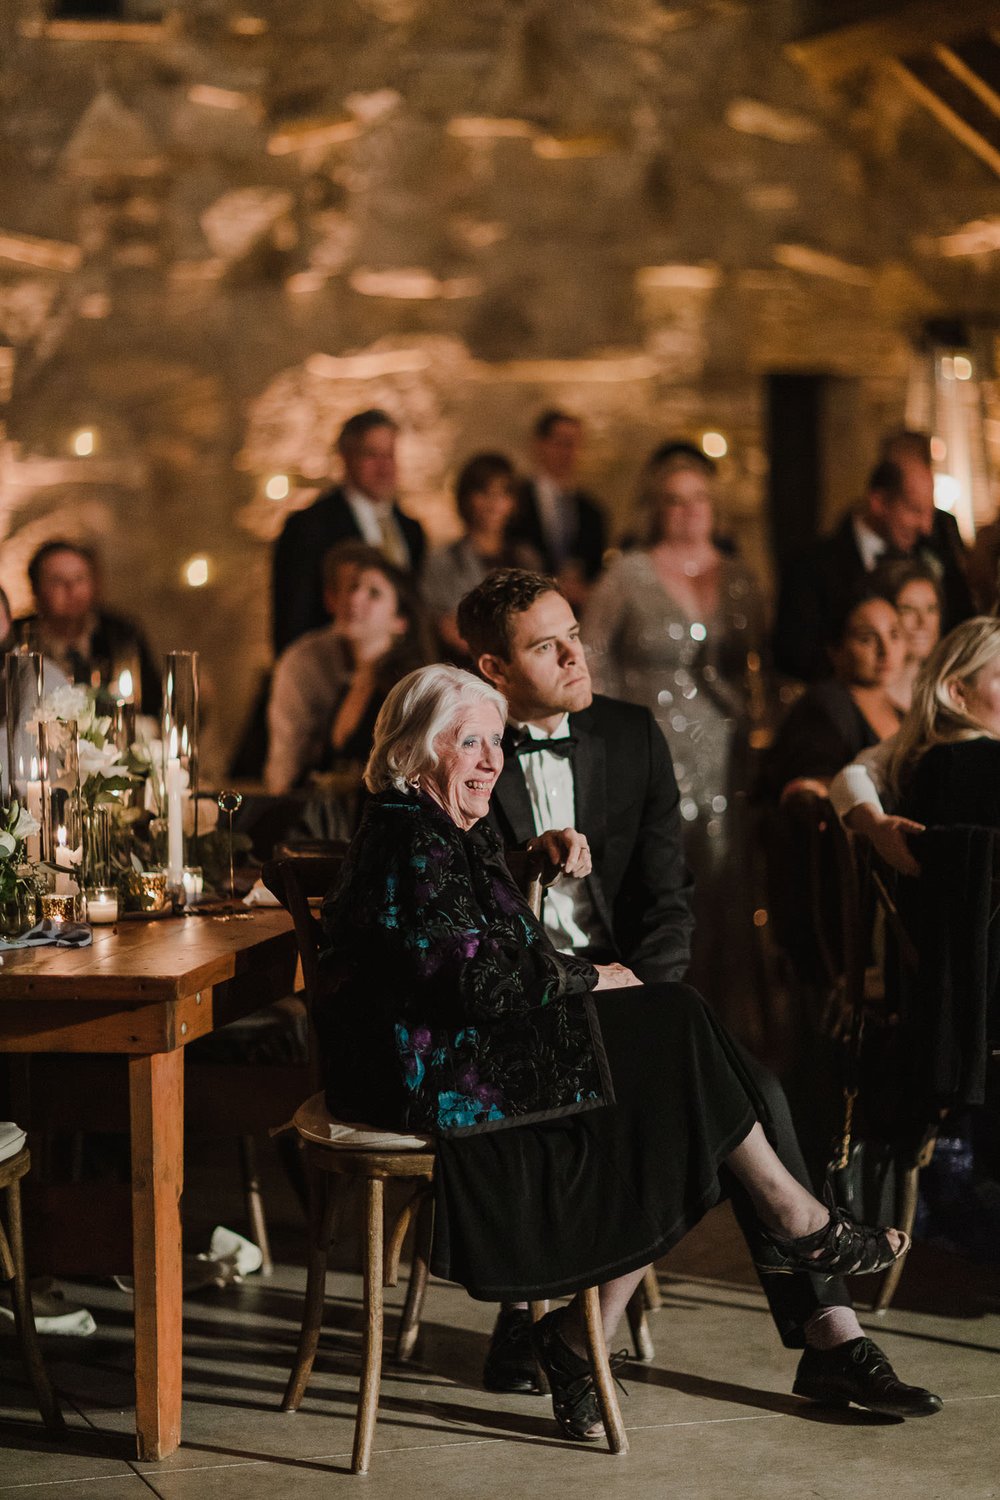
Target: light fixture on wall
x: 196, y: 572
x: 946, y: 399
x: 277, y: 487
x: 714, y: 445
x: 84, y: 442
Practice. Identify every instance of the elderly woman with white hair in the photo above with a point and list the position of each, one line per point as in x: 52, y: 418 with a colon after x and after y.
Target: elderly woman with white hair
x: 578, y: 1138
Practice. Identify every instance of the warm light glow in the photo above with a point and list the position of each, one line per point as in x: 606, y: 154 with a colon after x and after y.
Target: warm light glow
x: 714, y: 444
x: 412, y: 284
x: 277, y: 487
x: 963, y: 367
x: 310, y: 133
x: 47, y: 255
x: 83, y: 442
x: 196, y: 572
x: 306, y: 281
x: 947, y: 367
x: 247, y: 25
x: 939, y: 450
x: 947, y: 492
x: 125, y: 685
x: 216, y: 98
x: 488, y: 127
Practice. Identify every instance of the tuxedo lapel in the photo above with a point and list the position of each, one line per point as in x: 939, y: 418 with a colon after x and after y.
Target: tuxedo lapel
x: 590, y: 781
x: 511, y: 798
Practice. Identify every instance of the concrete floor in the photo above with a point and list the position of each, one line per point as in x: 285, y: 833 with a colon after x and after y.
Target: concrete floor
x: 713, y: 1416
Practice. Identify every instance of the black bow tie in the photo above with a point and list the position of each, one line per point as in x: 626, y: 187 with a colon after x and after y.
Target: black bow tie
x: 564, y: 746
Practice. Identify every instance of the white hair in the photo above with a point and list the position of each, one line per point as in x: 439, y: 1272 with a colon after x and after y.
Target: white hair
x: 420, y: 707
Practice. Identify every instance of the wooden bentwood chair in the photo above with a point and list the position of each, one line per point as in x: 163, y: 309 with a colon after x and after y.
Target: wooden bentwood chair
x: 12, y: 1169
x: 374, y: 1157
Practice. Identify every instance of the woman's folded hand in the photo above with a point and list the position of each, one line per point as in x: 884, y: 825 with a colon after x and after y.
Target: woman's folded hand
x: 614, y: 977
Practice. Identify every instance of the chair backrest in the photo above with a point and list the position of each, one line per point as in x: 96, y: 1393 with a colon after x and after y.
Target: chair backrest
x: 294, y: 881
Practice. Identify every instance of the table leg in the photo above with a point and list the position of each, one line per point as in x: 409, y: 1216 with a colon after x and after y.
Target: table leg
x: 156, y: 1100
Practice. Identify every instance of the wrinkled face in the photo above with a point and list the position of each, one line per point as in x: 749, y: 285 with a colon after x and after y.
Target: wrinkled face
x: 559, y: 453
x: 871, y: 653
x: 369, y: 608
x: 546, y: 673
x: 66, y: 587
x: 491, y: 508
x: 370, y: 463
x: 979, y: 695
x: 919, y: 618
x: 905, y: 519
x: 469, y: 761
x: 684, y: 499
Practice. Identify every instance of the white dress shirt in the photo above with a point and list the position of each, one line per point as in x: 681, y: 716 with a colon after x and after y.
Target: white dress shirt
x: 570, y: 916
x: 379, y: 527
x: 870, y: 545
x: 552, y: 504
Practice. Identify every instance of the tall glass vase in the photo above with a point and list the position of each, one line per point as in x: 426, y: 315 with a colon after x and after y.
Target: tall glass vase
x: 180, y: 759
x: 24, y: 685
x: 62, y: 818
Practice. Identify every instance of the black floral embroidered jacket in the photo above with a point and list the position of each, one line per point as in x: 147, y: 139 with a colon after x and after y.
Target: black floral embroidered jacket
x: 445, y: 1008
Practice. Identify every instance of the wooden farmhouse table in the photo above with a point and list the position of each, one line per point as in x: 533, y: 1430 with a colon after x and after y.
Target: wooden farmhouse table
x: 146, y: 989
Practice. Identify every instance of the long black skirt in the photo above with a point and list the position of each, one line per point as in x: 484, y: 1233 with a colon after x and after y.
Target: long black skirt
x: 543, y: 1210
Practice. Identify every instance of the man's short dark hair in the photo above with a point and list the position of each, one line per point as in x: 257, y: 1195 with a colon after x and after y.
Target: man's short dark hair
x: 906, y: 443
x: 484, y: 615
x: 674, y: 449
x: 478, y: 472
x: 551, y: 418
x: 887, y: 478
x: 361, y: 424
x: 49, y: 549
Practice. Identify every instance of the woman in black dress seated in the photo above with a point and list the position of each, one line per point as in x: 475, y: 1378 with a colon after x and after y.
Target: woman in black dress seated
x: 577, y: 1138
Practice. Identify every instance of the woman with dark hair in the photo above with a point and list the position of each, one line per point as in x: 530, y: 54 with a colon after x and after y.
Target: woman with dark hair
x: 916, y: 592
x: 328, y: 686
x: 835, y: 720
x: 486, y: 503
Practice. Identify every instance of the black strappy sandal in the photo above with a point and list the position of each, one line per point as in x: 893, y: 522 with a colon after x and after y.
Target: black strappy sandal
x: 840, y: 1248
x: 574, y: 1400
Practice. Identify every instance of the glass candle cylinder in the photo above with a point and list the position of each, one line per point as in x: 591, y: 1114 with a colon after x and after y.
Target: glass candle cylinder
x: 62, y: 824
x: 102, y: 904
x: 180, y: 757
x: 24, y: 673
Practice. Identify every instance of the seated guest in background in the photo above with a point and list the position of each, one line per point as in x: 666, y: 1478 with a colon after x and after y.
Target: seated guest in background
x: 834, y: 720
x: 613, y: 799
x: 447, y: 1010
x: 984, y: 568
x: 329, y: 685
x: 916, y: 593
x: 897, y: 519
x: 484, y: 494
x: 362, y: 507
x: 563, y: 524
x: 89, y: 644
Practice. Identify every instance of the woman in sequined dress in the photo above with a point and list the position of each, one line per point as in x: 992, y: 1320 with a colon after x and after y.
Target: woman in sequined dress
x: 677, y: 626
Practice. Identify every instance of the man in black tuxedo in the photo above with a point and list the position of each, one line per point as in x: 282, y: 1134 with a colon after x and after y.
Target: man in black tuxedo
x: 897, y: 519
x: 589, y: 781
x: 564, y: 525
x: 361, y: 508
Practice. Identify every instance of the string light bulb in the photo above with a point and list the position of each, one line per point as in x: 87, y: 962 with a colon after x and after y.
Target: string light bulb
x: 714, y: 445
x: 84, y: 442
x: 197, y: 572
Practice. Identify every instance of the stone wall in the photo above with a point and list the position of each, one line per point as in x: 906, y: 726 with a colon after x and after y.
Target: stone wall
x: 223, y: 231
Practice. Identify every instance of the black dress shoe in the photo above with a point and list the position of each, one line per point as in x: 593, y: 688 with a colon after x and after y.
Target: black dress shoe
x: 510, y: 1361
x: 858, y: 1371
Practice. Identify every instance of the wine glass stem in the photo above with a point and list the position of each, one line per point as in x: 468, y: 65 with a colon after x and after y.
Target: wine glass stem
x: 232, y: 874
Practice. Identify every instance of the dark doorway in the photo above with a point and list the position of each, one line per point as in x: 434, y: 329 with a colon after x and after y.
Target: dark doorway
x: 795, y: 413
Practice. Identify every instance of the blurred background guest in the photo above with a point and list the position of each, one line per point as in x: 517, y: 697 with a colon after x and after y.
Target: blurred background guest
x: 562, y: 523
x: 328, y: 686
x: 915, y: 591
x: 88, y: 643
x: 363, y: 507
x: 486, y: 501
x: 835, y: 720
x: 671, y: 626
x: 897, y: 519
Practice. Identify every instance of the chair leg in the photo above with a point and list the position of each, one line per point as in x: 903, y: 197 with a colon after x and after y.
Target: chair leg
x: 24, y: 1317
x: 604, y: 1385
x: 409, y: 1325
x: 371, y: 1353
x: 641, y: 1338
x: 907, y: 1213
x: 651, y: 1290
x: 255, y: 1202
x: 401, y: 1229
x: 320, y: 1227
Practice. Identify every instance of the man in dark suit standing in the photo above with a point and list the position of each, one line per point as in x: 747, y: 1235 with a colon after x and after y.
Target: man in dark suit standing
x: 362, y: 507
x: 589, y: 781
x: 564, y: 524
x: 896, y: 519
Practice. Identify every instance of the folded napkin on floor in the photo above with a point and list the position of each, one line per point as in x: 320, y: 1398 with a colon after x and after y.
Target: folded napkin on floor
x: 47, y: 933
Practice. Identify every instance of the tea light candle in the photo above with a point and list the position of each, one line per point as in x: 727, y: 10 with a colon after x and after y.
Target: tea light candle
x: 102, y: 904
x: 194, y: 884
x: 57, y: 906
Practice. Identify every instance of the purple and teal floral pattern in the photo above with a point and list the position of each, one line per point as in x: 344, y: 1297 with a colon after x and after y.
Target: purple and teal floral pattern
x: 445, y: 1007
